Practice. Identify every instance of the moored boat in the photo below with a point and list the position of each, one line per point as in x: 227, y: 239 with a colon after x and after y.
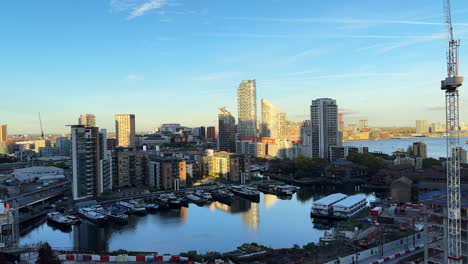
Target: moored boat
x: 151, y: 208
x: 93, y: 216
x: 195, y: 199
x: 246, y: 192
x: 59, y: 219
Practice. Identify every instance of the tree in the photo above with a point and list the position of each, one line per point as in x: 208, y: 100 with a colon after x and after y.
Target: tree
x: 429, y: 162
x: 47, y: 255
x: 366, y: 159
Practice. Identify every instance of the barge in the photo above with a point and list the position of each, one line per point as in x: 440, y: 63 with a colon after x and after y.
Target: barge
x: 324, y: 206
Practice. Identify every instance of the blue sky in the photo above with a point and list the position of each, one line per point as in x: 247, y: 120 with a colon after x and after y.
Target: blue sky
x: 179, y: 60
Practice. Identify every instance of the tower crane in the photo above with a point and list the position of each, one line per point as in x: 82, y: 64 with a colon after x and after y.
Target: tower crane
x: 40, y: 122
x: 450, y: 85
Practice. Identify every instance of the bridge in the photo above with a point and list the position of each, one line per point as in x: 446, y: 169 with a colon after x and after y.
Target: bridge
x: 32, y: 204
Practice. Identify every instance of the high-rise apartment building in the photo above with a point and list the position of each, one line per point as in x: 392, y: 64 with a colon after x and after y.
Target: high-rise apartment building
x: 203, y: 132
x: 92, y: 170
x: 273, y: 120
x: 211, y: 132
x: 63, y: 146
x: 247, y: 109
x: 88, y: 120
x: 227, y: 131
x: 3, y: 133
x: 420, y: 149
x: 363, y: 124
x: 125, y: 130
x: 421, y: 127
x: 324, y: 127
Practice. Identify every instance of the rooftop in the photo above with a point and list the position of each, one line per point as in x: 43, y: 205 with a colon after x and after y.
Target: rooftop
x: 351, y: 200
x: 440, y: 198
x: 331, y: 199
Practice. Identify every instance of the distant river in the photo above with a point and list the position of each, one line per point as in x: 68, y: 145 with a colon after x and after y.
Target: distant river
x: 216, y: 227
x: 435, y: 146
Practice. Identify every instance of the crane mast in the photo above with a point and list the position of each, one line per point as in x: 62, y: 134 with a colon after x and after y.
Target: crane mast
x: 40, y: 123
x: 450, y: 86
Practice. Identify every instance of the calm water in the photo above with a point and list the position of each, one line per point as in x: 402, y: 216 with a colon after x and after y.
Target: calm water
x: 217, y: 227
x: 435, y: 146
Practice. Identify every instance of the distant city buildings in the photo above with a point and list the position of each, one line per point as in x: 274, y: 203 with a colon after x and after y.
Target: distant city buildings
x: 342, y: 152
x: 247, y: 109
x: 421, y: 127
x: 227, y: 131
x: 211, y: 132
x: 88, y: 120
x: 125, y: 130
x: 363, y: 124
x: 3, y: 133
x: 420, y: 149
x: 340, y: 122
x: 324, y: 127
x: 273, y: 120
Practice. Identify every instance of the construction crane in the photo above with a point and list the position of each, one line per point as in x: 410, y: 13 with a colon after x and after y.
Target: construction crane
x: 40, y: 122
x: 450, y: 85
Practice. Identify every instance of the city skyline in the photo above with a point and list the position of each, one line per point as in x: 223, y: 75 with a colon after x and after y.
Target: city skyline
x: 135, y: 53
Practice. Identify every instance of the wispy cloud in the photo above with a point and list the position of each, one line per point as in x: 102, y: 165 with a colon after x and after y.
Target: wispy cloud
x: 242, y: 35
x: 137, y: 8
x: 304, y: 54
x: 145, y: 7
x: 134, y: 77
x: 436, y: 107
x: 338, y: 21
x: 217, y: 76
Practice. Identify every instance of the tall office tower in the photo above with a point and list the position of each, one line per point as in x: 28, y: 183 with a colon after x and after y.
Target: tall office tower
x: 324, y: 127
x: 3, y: 133
x: 362, y: 124
x: 125, y: 130
x: 273, y: 120
x: 227, y: 131
x: 88, y: 120
x: 202, y: 132
x: 420, y: 149
x: 340, y: 122
x: 211, y: 132
x: 91, y: 164
x: 247, y: 109
x: 421, y: 127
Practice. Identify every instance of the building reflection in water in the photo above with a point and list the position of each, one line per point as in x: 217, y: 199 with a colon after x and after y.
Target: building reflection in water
x: 251, y: 218
x: 248, y: 210
x: 269, y: 200
x: 237, y: 206
x: 87, y: 236
x: 183, y: 214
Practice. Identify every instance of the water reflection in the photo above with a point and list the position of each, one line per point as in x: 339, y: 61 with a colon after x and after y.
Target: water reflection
x: 251, y: 218
x: 270, y: 200
x: 216, y: 227
x: 88, y: 236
